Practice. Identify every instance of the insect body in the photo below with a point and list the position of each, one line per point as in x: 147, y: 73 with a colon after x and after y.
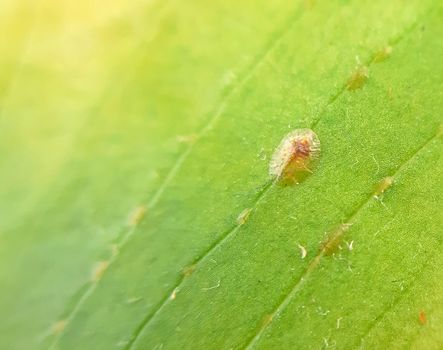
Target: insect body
x: 293, y: 159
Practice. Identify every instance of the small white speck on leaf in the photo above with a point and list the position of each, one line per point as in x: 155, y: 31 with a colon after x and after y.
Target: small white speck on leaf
x: 174, y: 294
x: 376, y: 163
x: 350, y: 245
x: 322, y: 312
x: 303, y: 251
x: 213, y: 287
x: 243, y: 216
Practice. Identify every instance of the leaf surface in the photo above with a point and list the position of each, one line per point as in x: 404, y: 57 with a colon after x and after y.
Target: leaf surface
x: 134, y: 137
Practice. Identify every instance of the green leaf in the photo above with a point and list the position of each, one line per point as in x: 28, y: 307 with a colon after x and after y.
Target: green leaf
x: 137, y: 209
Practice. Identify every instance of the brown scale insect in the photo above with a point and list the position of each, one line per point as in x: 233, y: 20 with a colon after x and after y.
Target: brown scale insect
x: 292, y: 160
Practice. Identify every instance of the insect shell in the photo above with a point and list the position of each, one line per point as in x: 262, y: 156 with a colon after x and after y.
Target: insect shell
x: 293, y: 159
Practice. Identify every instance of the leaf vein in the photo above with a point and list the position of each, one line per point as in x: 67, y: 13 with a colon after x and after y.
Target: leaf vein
x: 314, y: 263
x: 230, y: 232
x: 394, y: 303
x: 216, y: 244
x: 247, y: 74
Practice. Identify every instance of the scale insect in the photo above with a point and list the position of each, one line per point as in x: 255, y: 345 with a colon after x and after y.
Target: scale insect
x: 293, y: 159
